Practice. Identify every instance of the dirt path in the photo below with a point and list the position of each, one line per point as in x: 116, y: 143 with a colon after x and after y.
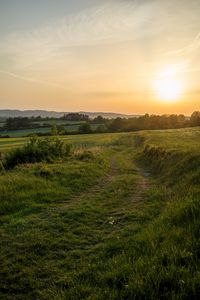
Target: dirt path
x: 138, y: 193
x: 142, y: 186
x: 93, y: 190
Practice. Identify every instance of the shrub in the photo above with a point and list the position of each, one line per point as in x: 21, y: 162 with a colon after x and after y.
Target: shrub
x: 1, y: 167
x: 37, y: 150
x: 85, y: 128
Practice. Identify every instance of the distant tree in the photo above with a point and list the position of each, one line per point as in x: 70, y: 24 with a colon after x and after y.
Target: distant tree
x: 117, y: 124
x: 100, y: 128
x: 85, y: 128
x: 182, y: 121
x: 99, y: 120
x: 61, y: 129
x: 195, y: 118
x: 17, y: 123
x: 75, y: 117
x: 54, y: 130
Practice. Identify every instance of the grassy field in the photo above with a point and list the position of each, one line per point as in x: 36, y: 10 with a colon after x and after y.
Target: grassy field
x: 77, y: 141
x: 118, y: 219
x: 69, y: 126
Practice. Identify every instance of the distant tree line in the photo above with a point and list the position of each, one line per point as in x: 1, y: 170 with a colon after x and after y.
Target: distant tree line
x: 146, y: 122
x: 18, y: 123
x: 100, y: 124
x: 154, y: 122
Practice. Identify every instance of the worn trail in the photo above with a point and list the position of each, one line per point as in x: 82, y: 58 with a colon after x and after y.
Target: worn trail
x: 117, y: 184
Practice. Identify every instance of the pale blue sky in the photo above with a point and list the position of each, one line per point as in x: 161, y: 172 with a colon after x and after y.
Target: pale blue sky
x: 20, y: 14
x: 97, y: 55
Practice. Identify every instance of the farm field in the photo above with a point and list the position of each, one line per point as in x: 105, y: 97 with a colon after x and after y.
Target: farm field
x: 69, y: 126
x: 117, y: 219
x: 77, y: 141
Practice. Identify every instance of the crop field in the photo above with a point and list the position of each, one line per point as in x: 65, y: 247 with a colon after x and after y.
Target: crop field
x: 118, y: 218
x: 77, y: 141
x: 25, y: 132
x: 7, y: 144
x: 69, y: 126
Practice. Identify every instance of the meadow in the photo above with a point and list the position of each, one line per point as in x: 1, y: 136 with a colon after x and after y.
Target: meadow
x: 118, y: 218
x: 44, y: 127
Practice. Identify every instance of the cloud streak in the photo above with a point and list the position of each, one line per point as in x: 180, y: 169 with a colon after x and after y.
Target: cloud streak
x: 186, y: 55
x: 113, y: 22
x: 188, y: 49
x: 30, y: 79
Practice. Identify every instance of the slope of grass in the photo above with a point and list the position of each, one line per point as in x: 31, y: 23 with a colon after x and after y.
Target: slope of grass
x: 119, y: 219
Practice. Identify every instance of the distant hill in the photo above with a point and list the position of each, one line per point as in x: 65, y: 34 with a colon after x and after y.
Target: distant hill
x: 6, y: 113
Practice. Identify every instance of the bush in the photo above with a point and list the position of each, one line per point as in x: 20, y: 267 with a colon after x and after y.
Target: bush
x: 37, y: 150
x: 1, y: 167
x: 85, y: 128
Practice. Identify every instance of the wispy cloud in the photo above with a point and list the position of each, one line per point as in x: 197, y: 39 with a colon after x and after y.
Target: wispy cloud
x: 186, y: 55
x: 189, y: 49
x: 30, y: 79
x: 115, y: 21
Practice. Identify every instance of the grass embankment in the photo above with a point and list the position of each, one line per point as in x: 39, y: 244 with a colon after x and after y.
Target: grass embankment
x: 94, y: 227
x: 172, y: 240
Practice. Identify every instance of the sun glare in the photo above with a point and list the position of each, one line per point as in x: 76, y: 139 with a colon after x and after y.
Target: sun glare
x: 167, y: 84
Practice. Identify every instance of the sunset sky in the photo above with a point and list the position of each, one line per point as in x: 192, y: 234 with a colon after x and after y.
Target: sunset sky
x: 94, y: 55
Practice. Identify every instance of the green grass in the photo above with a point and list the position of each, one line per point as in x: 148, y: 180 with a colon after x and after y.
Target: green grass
x: 7, y: 144
x: 77, y: 141
x: 119, y: 219
x: 69, y: 126
x: 58, y: 122
x: 24, y: 132
x: 186, y: 139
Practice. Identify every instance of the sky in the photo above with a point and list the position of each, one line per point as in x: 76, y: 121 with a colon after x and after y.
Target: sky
x: 127, y: 56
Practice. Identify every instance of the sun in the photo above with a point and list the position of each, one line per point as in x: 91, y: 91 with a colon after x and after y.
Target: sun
x: 168, y: 85
x: 168, y: 89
